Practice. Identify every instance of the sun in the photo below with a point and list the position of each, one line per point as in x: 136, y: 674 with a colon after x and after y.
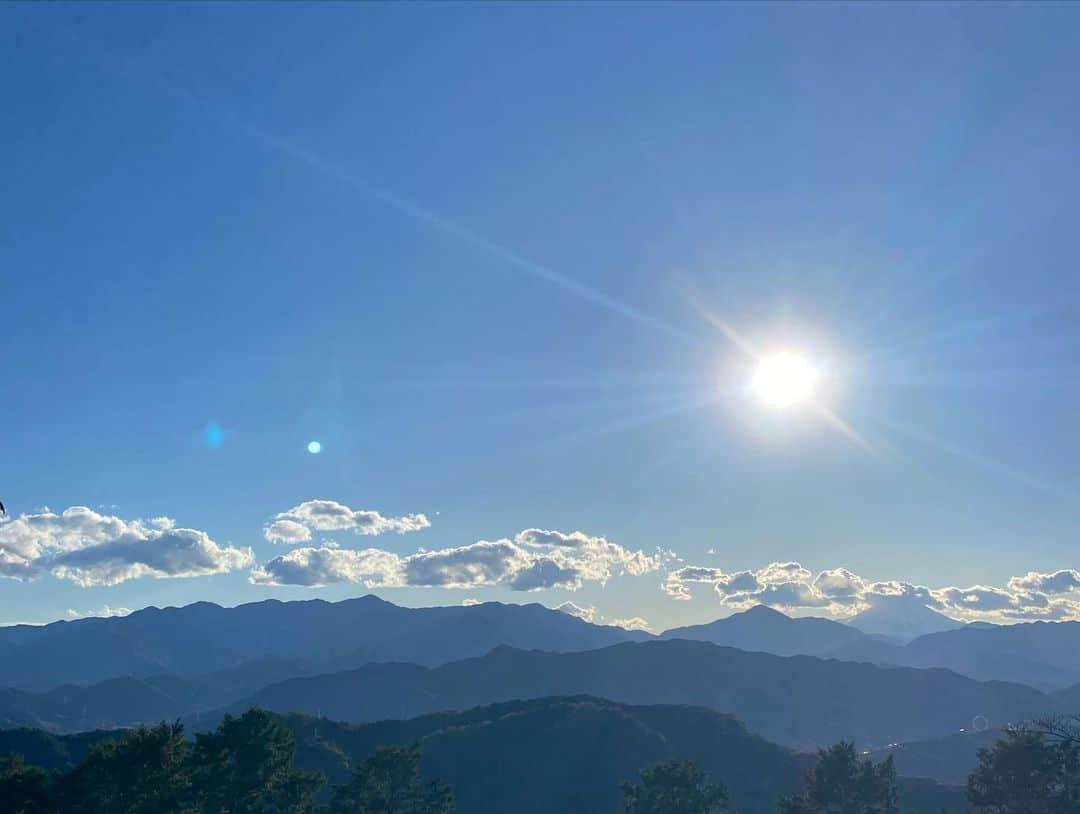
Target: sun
x: 784, y: 379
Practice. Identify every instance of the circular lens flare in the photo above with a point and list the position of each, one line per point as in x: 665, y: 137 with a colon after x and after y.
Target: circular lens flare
x: 784, y: 379
x: 314, y: 447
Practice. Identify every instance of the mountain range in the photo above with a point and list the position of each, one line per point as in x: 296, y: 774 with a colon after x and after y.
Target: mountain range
x: 300, y: 637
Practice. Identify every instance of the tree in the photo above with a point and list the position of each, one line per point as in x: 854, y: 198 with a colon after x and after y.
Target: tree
x: 145, y: 771
x: 1028, y: 771
x: 23, y: 789
x: 673, y: 787
x: 390, y: 782
x: 246, y: 767
x: 843, y: 783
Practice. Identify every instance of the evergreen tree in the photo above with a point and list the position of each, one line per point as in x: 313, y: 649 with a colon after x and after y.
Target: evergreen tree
x: 23, y: 789
x: 390, y: 782
x: 1028, y: 771
x: 844, y: 783
x: 673, y: 787
x: 246, y: 767
x: 143, y: 773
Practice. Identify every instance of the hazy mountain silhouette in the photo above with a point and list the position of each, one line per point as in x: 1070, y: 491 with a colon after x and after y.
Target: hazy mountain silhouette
x: 948, y: 759
x: 1042, y: 654
x: 313, y: 635
x: 798, y: 701
x: 903, y: 618
x: 769, y: 631
x: 543, y: 755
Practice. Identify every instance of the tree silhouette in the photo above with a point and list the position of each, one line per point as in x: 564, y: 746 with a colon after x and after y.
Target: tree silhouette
x: 390, y: 782
x: 844, y: 783
x: 1028, y: 771
x: 23, y: 789
x: 246, y: 767
x: 673, y: 787
x: 146, y: 771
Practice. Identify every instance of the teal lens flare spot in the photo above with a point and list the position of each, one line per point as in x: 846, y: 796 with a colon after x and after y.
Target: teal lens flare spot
x: 314, y: 447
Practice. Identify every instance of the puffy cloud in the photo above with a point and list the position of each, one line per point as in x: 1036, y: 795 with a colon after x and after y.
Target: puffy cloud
x: 297, y: 524
x: 90, y: 548
x: 313, y: 567
x: 534, y: 559
x: 481, y: 563
x: 1059, y: 582
x: 839, y: 592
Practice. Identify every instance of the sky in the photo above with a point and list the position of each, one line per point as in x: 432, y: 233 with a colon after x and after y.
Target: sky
x: 513, y: 267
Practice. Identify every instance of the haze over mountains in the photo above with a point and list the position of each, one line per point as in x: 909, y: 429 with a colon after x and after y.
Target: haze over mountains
x: 797, y: 682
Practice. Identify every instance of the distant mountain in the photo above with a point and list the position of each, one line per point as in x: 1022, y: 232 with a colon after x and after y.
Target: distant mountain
x: 948, y: 759
x: 798, y: 701
x: 113, y: 703
x: 1045, y: 655
x: 543, y: 755
x: 1069, y: 699
x: 768, y: 631
x: 312, y: 636
x: 903, y: 618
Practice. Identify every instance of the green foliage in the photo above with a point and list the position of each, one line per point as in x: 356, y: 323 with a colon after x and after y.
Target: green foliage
x: 146, y: 771
x: 673, y: 787
x: 390, y: 782
x: 1028, y: 771
x: 246, y: 767
x: 23, y: 789
x: 844, y: 783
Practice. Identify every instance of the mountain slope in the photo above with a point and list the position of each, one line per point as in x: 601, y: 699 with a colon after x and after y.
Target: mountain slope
x: 798, y: 701
x: 766, y: 630
x: 316, y: 635
x: 540, y: 756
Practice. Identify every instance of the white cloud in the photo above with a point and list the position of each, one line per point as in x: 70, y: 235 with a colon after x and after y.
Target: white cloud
x: 297, y: 524
x: 313, y: 567
x: 102, y: 613
x: 89, y: 548
x: 593, y: 616
x: 534, y: 559
x: 633, y: 623
x: 840, y: 593
x: 468, y: 602
x: 586, y: 612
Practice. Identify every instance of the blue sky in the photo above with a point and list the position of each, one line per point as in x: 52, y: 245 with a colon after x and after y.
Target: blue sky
x: 471, y: 249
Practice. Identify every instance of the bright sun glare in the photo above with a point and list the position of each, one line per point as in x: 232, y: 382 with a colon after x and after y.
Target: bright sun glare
x: 784, y: 379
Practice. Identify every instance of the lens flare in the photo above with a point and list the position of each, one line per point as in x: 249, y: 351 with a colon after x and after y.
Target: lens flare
x: 314, y: 447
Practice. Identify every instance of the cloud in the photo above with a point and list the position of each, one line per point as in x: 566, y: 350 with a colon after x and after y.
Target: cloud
x: 468, y: 602
x: 841, y: 593
x: 633, y: 623
x: 89, y: 548
x: 103, y: 613
x: 593, y: 616
x: 313, y: 567
x: 586, y: 612
x: 534, y: 559
x: 297, y: 524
